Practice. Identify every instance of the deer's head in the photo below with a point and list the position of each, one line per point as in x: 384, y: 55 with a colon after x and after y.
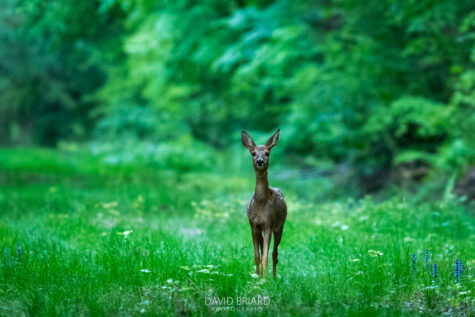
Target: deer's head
x: 260, y: 153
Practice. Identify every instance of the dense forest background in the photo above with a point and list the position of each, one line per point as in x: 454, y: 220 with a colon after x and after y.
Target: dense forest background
x: 382, y: 91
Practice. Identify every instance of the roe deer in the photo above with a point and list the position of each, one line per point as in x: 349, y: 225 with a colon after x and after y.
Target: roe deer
x: 266, y: 209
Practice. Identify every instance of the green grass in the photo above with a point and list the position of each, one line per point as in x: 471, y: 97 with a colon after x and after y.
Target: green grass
x: 189, y: 240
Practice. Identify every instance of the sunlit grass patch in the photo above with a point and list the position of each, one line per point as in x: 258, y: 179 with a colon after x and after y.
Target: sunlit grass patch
x: 132, y: 251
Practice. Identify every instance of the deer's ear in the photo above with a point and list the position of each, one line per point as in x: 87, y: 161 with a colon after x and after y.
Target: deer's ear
x: 247, y: 141
x: 273, y: 140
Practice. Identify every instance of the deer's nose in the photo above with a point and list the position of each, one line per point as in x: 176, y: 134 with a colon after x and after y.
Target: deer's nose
x: 260, y: 162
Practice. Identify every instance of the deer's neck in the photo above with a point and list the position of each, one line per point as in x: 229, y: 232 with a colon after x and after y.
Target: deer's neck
x: 262, y: 186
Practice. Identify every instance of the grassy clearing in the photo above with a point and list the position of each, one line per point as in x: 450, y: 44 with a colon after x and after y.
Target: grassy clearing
x: 163, y: 243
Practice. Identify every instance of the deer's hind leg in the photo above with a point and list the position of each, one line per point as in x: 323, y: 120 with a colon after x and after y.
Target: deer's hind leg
x: 257, y: 242
x: 277, y: 238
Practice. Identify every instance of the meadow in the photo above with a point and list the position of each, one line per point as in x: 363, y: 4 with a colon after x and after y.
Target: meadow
x: 83, y: 238
x: 124, y: 180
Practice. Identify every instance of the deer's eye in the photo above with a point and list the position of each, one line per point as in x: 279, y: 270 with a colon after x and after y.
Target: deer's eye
x: 254, y: 154
x: 266, y: 154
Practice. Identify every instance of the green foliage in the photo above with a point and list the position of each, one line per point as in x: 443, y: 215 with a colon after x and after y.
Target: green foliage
x: 349, y: 82
x: 51, y: 63
x: 370, y: 84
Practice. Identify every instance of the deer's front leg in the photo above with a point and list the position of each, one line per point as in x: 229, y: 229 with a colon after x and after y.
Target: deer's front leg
x: 265, y: 250
x: 277, y: 238
x: 256, y: 238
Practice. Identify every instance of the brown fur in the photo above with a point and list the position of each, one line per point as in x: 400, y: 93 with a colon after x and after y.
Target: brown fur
x: 266, y: 209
